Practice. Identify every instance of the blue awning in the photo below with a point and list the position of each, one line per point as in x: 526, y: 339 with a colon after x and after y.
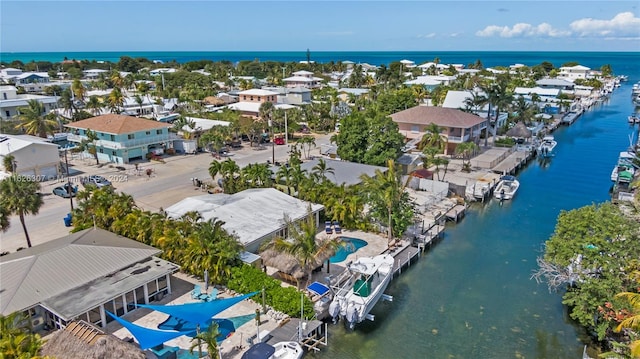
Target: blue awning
x: 198, y: 313
x: 147, y: 338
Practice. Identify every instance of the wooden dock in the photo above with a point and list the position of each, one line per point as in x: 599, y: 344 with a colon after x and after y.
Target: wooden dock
x: 313, y: 334
x: 456, y: 213
x: 513, y: 162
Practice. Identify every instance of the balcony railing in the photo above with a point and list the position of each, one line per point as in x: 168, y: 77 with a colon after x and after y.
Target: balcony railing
x: 114, y: 145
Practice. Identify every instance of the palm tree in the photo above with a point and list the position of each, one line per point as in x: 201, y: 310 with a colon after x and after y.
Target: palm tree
x: 19, y: 195
x: 320, y: 170
x: 115, y: 100
x: 33, y: 121
x: 632, y: 322
x: 208, y: 337
x: 90, y: 144
x: 16, y: 339
x: 387, y: 197
x: 466, y: 149
x: 433, y: 137
x: 94, y: 105
x: 78, y: 89
x: 9, y: 163
x: 303, y: 245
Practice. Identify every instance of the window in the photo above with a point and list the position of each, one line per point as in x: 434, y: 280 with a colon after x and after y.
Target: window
x: 4, y: 94
x: 101, y: 150
x: 147, y: 133
x: 158, y: 132
x: 251, y: 98
x: 8, y: 113
x: 415, y: 128
x: 113, y: 137
x: 131, y: 136
x: 113, y: 153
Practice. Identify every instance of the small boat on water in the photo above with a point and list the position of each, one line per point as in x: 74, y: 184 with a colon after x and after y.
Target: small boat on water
x: 546, y: 147
x: 506, y: 188
x: 360, y: 287
x: 633, y: 118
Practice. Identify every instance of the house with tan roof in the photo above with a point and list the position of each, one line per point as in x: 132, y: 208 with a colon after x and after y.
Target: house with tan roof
x: 122, y: 139
x: 458, y: 126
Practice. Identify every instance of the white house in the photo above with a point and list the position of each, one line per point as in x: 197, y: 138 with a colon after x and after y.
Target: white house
x: 10, y: 101
x: 572, y: 73
x: 457, y: 100
x: 34, y: 157
x: 302, y: 79
x: 241, y: 216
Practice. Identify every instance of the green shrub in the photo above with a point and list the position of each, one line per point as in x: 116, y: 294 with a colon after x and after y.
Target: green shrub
x: 505, y: 142
x: 247, y: 279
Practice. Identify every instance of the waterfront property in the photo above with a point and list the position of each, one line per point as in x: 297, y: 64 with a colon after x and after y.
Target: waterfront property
x: 81, y: 276
x: 458, y: 126
x: 348, y: 245
x: 253, y: 215
x: 458, y: 100
x: 344, y: 172
x: 34, y: 157
x: 122, y: 139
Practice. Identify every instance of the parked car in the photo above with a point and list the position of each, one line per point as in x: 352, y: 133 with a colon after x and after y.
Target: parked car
x: 278, y: 140
x: 95, y: 180
x: 63, y: 191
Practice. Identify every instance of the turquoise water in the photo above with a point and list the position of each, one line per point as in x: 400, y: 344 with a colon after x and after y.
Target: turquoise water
x: 620, y: 61
x: 471, y: 295
x: 350, y: 245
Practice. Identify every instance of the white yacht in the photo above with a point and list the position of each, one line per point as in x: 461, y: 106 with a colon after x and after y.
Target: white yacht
x: 280, y: 350
x: 359, y: 288
x: 546, y: 146
x: 624, y: 170
x: 506, y: 188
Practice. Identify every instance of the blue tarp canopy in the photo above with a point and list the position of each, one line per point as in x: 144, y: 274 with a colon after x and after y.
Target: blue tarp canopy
x: 198, y: 313
x: 318, y: 288
x: 259, y: 351
x: 147, y: 338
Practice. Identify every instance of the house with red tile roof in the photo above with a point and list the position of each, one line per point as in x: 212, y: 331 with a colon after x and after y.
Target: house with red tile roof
x: 122, y: 139
x: 457, y: 126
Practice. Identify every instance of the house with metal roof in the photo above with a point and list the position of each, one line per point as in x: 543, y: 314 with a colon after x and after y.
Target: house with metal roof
x: 81, y: 276
x: 253, y: 215
x: 457, y: 126
x: 10, y: 101
x: 34, y: 157
x: 122, y: 139
x: 344, y: 172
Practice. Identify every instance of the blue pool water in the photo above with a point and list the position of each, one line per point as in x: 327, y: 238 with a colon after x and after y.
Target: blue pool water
x: 350, y: 245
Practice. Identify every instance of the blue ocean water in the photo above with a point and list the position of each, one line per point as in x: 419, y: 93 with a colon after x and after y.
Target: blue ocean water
x: 620, y: 61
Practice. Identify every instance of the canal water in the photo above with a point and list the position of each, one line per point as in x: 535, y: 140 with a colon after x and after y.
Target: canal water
x: 471, y: 295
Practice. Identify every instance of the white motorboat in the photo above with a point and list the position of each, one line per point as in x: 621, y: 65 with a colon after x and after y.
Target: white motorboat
x: 546, y: 146
x: 506, y: 188
x: 477, y: 191
x: 633, y: 118
x: 360, y: 287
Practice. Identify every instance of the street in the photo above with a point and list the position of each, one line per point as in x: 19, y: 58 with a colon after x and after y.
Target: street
x: 169, y: 183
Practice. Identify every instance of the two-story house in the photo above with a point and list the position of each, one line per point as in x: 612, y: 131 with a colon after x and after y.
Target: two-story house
x: 572, y: 73
x: 302, y: 79
x: 457, y: 126
x: 11, y: 102
x: 251, y: 100
x: 122, y: 139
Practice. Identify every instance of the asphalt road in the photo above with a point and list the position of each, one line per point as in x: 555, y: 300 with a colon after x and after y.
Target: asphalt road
x: 170, y: 182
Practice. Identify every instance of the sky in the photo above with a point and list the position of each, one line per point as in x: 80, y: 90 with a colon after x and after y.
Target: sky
x: 100, y: 25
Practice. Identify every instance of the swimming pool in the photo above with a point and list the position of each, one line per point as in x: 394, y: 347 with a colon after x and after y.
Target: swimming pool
x: 350, y: 246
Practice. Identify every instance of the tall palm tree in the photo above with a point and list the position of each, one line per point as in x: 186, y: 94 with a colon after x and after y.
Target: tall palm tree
x: 320, y: 170
x: 115, y: 100
x: 90, y: 144
x: 94, y: 105
x: 433, y: 137
x: 33, y: 121
x: 386, y: 194
x: 19, y: 195
x: 466, y: 149
x: 303, y: 245
x: 78, y: 89
x: 285, y: 172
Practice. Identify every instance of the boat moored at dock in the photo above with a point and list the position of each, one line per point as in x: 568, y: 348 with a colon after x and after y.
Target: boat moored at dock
x: 506, y: 188
x: 547, y: 146
x: 360, y: 287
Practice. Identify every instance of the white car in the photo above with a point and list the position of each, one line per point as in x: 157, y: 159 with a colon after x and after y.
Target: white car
x: 95, y: 180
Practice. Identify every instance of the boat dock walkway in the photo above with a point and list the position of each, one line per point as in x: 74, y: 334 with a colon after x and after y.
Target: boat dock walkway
x: 310, y: 336
x: 456, y: 213
x: 513, y: 162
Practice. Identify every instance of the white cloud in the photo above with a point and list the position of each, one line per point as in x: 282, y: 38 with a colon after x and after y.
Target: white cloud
x: 427, y: 36
x: 624, y: 24
x: 522, y: 30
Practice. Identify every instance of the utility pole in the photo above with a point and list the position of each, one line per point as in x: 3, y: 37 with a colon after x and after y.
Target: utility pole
x: 69, y: 188
x: 273, y: 145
